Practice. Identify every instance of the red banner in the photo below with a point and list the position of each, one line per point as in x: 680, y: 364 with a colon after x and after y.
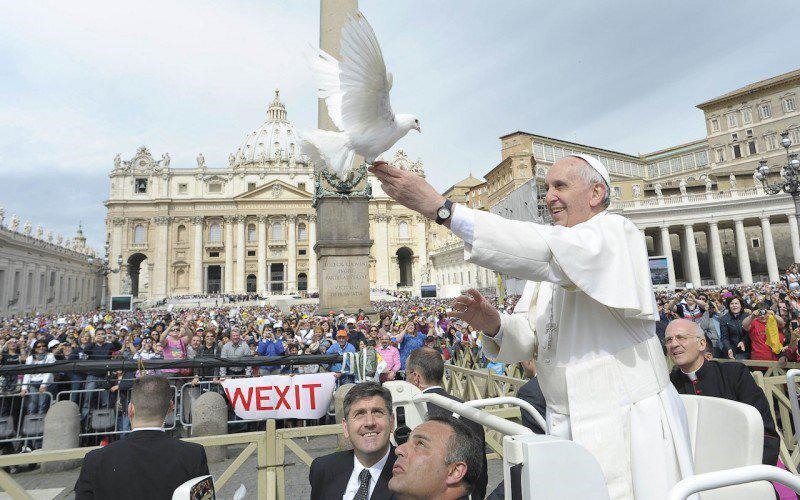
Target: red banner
x: 280, y: 396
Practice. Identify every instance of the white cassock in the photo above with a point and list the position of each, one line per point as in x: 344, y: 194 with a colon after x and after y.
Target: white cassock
x: 599, y: 363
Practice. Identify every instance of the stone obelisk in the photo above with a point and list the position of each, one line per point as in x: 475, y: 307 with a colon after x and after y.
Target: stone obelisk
x: 343, y: 242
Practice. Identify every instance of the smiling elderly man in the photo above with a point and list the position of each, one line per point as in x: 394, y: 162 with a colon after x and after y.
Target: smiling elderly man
x: 588, y: 314
x: 694, y: 374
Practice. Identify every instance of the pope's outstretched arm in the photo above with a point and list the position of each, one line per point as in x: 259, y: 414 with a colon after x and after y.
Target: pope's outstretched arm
x: 604, y: 256
x: 517, y: 249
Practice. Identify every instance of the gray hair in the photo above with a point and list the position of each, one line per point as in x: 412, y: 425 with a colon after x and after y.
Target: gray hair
x: 591, y: 177
x: 428, y: 363
x: 365, y: 390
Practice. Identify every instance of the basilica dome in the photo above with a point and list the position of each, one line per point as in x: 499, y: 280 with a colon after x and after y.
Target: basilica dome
x: 274, y: 141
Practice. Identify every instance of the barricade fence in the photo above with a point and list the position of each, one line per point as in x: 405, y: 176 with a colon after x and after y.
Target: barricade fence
x: 101, y: 390
x: 271, y: 445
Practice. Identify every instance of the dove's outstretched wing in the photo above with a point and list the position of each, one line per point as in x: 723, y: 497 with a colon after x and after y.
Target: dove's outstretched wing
x: 326, y: 73
x: 364, y: 82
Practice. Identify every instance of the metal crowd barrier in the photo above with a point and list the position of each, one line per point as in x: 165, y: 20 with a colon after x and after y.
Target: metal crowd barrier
x: 17, y: 423
x: 107, y: 419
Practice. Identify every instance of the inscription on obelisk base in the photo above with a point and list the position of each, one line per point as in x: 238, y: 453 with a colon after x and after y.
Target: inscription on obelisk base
x: 342, y: 250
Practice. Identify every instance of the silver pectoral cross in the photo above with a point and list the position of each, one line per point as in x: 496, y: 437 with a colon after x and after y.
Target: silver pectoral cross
x: 551, y: 328
x: 550, y: 331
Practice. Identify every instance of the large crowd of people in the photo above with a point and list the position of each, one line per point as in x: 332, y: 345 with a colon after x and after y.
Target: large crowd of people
x: 759, y: 321
x: 755, y: 321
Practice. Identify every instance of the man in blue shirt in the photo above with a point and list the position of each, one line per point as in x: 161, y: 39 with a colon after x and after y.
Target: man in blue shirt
x: 339, y: 347
x: 269, y: 345
x: 409, y: 340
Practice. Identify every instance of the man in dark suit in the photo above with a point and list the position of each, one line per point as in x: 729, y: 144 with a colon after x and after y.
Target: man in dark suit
x: 694, y: 374
x: 147, y: 463
x: 362, y: 473
x: 532, y: 393
x: 425, y: 369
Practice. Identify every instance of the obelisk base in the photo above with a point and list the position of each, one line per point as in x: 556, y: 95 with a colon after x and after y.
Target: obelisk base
x: 342, y: 251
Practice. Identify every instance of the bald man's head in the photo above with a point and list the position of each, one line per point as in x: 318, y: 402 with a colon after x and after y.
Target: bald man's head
x: 686, y: 344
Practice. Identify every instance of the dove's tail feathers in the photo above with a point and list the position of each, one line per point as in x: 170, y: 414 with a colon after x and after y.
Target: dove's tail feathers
x: 328, y: 149
x: 325, y: 69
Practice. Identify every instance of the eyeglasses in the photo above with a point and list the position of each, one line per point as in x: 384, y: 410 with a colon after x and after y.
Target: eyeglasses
x: 680, y: 339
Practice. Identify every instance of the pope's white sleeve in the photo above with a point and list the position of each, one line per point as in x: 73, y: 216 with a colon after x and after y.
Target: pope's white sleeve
x: 462, y: 223
x: 511, y: 247
x: 514, y: 342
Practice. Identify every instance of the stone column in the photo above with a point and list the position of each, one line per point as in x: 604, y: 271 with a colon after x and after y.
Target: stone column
x: 115, y: 250
x: 422, y: 244
x: 291, y: 249
x: 343, y: 242
x: 333, y: 15
x: 262, y: 255
x: 795, y: 238
x: 197, y: 264
x: 381, y: 251
x: 210, y: 418
x: 240, y: 254
x: 742, y: 253
x: 158, y: 286
x: 229, y: 273
x: 312, y: 254
x: 715, y: 254
x: 62, y: 426
x: 691, y: 249
x: 769, y: 249
x: 666, y: 250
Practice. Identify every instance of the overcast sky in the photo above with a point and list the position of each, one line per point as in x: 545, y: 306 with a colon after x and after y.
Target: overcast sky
x: 83, y: 81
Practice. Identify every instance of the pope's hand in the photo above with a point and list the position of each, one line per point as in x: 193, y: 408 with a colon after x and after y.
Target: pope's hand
x: 408, y: 189
x: 477, y: 312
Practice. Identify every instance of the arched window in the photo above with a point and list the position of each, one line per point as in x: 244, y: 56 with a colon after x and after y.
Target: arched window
x: 215, y: 233
x: 302, y: 282
x: 139, y: 235
x: 277, y: 231
x: 181, y: 235
x: 251, y: 232
x: 302, y: 233
x: 402, y: 229
x: 180, y: 277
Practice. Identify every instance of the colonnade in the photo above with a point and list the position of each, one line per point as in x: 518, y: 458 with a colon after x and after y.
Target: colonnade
x: 688, y: 251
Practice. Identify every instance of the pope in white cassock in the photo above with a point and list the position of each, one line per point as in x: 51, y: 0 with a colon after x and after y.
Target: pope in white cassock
x: 588, y: 316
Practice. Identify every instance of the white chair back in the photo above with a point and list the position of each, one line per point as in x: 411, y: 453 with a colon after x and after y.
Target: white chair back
x: 726, y: 434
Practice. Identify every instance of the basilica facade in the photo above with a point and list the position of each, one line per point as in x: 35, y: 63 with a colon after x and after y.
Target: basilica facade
x: 248, y: 227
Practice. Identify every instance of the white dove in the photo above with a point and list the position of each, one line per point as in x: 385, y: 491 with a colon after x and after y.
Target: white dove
x: 356, y: 92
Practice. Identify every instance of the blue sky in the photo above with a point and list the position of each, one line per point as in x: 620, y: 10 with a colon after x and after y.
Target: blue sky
x: 83, y: 81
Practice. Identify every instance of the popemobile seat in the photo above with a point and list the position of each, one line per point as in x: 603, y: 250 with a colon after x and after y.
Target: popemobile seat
x: 724, y: 435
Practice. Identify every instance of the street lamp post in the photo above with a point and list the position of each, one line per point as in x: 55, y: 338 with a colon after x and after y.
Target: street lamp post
x: 104, y: 269
x: 789, y: 182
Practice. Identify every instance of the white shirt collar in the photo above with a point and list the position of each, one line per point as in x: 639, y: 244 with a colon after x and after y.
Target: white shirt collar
x: 376, y: 468
x: 148, y: 429
x: 374, y: 472
x: 692, y: 375
x: 433, y: 387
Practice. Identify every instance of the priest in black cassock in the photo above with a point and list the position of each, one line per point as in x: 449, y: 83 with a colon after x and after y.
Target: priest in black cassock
x: 694, y: 374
